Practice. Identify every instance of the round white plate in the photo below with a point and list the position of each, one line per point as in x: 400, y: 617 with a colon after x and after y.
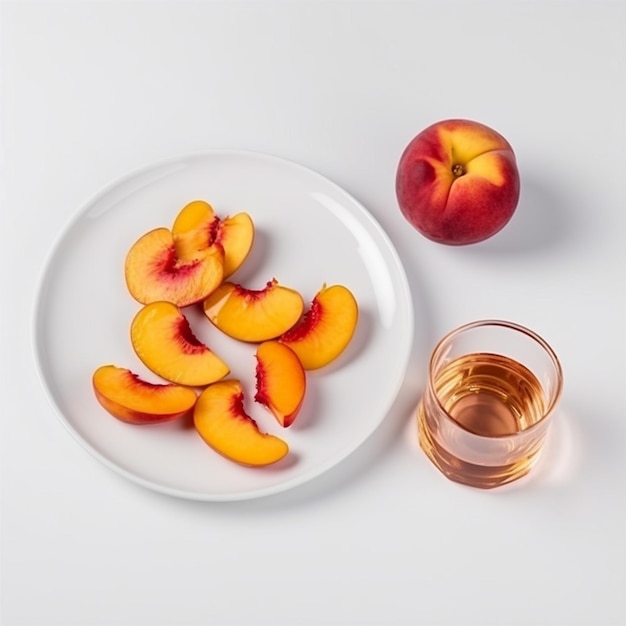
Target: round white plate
x: 308, y: 232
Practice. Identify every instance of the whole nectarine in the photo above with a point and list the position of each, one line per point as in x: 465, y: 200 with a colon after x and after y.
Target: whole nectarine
x: 457, y: 182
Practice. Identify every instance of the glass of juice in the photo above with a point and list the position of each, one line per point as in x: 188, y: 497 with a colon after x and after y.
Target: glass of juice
x: 491, y: 392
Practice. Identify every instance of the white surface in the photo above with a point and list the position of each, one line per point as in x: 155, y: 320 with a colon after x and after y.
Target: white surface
x: 292, y: 208
x: 91, y: 92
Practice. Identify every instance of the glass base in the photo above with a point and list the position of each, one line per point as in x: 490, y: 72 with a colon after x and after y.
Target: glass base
x: 481, y: 476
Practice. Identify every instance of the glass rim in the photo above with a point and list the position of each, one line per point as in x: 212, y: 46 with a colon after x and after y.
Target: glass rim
x: 511, y: 326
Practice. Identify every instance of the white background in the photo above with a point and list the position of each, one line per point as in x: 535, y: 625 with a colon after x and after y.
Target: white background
x: 92, y: 91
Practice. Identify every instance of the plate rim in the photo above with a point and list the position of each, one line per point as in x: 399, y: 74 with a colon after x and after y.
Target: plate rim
x: 290, y: 483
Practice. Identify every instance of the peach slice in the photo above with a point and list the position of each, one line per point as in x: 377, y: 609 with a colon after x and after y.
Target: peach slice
x: 280, y: 381
x: 133, y: 400
x: 220, y: 419
x: 154, y: 273
x: 163, y: 340
x: 197, y: 227
x: 253, y: 315
x: 325, y: 330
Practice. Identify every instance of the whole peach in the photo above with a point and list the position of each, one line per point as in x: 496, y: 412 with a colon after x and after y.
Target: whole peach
x: 457, y: 182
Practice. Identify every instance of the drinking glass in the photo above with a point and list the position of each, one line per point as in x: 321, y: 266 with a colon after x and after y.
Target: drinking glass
x: 491, y: 392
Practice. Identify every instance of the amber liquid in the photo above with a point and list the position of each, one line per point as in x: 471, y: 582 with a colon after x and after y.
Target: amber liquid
x: 487, y: 395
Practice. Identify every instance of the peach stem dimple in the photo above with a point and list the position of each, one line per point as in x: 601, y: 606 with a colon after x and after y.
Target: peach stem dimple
x: 458, y: 170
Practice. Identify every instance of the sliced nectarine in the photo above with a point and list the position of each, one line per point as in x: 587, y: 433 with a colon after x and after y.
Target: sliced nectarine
x: 280, y: 381
x: 194, y: 228
x: 163, y: 340
x: 253, y: 315
x: 129, y: 398
x: 197, y: 227
x: 220, y: 419
x: 236, y: 234
x: 325, y: 330
x: 154, y: 273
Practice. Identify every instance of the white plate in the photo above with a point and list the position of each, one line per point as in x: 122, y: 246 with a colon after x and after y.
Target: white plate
x: 308, y: 232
